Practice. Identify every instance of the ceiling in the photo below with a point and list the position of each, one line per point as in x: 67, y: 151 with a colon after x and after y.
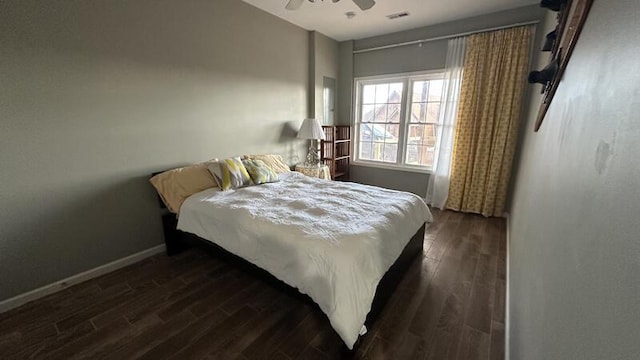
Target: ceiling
x: 330, y: 19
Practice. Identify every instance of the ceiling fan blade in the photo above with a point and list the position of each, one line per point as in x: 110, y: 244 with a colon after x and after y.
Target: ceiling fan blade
x: 294, y: 4
x: 365, y: 4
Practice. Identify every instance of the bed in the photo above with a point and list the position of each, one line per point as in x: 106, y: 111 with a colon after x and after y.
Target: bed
x: 344, y: 245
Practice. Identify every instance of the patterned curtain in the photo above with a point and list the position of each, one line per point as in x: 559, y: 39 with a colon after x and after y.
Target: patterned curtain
x: 488, y: 116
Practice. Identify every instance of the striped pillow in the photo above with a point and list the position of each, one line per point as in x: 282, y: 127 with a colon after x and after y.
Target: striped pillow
x: 259, y: 171
x: 230, y: 174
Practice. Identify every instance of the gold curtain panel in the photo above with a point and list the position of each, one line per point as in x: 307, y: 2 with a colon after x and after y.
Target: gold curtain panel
x: 489, y: 113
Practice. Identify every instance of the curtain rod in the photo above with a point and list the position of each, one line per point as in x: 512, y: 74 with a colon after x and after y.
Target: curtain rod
x: 446, y: 37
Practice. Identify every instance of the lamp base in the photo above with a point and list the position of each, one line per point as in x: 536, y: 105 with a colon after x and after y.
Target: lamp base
x: 312, y: 156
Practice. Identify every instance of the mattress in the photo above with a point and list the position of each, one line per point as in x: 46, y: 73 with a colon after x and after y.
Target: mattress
x: 331, y: 240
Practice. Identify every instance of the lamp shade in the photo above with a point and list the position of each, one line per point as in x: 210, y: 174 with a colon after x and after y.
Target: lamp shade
x: 311, y: 129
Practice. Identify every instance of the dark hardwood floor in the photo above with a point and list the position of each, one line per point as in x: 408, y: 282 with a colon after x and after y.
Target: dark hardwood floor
x: 450, y: 305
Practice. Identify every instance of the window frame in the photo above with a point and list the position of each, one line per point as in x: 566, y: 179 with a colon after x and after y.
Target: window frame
x: 407, y: 79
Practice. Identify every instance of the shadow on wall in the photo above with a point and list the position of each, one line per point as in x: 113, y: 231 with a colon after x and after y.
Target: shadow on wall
x: 93, y: 225
x: 288, y: 137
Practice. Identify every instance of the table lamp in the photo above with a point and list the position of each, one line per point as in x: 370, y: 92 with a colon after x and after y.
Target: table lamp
x: 311, y: 130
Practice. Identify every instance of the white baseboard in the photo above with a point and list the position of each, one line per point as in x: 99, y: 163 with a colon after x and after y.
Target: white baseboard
x: 21, y: 299
x: 507, y: 332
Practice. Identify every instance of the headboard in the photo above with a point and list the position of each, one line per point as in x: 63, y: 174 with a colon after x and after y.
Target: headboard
x: 162, y: 205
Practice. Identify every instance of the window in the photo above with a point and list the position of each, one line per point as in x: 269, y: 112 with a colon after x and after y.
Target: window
x: 397, y: 120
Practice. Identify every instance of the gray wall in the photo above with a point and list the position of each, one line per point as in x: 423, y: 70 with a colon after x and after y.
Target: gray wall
x: 345, y: 82
x: 431, y: 56
x: 574, y: 251
x: 413, y: 182
x: 326, y: 63
x: 532, y: 95
x: 96, y: 95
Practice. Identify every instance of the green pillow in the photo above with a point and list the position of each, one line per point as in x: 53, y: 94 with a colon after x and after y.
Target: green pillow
x: 259, y: 171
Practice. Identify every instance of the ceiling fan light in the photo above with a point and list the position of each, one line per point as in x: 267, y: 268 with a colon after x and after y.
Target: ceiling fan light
x: 365, y: 4
x: 294, y: 4
x: 362, y: 4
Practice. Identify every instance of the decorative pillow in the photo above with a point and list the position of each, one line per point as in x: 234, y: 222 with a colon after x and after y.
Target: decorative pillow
x: 275, y: 162
x: 174, y: 186
x: 216, y: 172
x: 231, y: 174
x: 259, y: 171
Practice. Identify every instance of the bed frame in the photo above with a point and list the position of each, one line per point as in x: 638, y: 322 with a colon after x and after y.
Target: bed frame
x: 177, y: 241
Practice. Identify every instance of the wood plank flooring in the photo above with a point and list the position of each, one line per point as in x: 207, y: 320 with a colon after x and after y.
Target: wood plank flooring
x: 449, y: 305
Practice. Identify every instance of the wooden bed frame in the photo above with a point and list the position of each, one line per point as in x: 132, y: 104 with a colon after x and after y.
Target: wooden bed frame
x: 177, y: 241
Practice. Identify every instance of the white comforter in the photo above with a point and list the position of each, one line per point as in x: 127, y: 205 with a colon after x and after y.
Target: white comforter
x: 332, y: 240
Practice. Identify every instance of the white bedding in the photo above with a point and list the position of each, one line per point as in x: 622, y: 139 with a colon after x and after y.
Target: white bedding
x: 332, y: 240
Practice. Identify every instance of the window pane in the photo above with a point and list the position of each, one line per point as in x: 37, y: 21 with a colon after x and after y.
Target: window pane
x: 382, y: 93
x: 393, y: 113
x: 390, y: 152
x: 366, y: 151
x: 368, y: 94
x: 377, y: 151
x: 380, y: 114
x: 392, y: 133
x: 413, y: 154
x: 420, y: 89
x: 430, y: 133
x: 428, y: 156
x: 418, y: 113
x: 379, y: 132
x: 365, y: 141
x: 415, y: 134
x: 421, y: 143
x: 414, y: 137
x: 433, y: 113
x: 385, y: 142
x: 395, y: 93
x: 367, y: 113
x: 435, y: 90
x: 365, y: 132
x: 420, y: 155
x: 422, y: 135
x: 382, y: 117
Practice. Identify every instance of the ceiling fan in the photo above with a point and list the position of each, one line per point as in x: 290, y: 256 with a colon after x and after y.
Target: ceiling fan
x: 362, y: 4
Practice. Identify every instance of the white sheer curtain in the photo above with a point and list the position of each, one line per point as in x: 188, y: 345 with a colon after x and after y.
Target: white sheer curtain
x: 438, y: 188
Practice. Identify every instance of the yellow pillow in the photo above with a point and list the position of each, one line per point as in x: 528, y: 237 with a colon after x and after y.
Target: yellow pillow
x: 275, y: 162
x: 174, y: 186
